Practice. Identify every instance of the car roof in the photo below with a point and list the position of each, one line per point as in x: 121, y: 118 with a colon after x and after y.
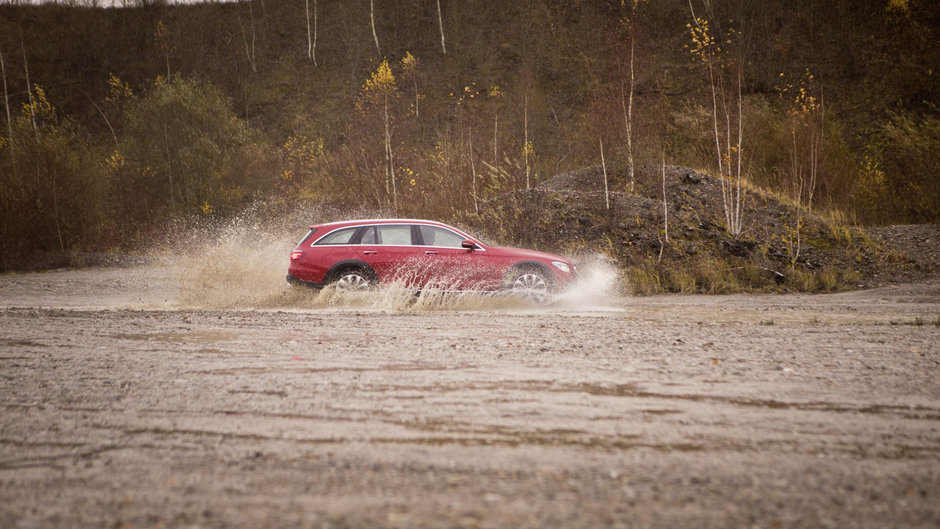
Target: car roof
x: 377, y: 221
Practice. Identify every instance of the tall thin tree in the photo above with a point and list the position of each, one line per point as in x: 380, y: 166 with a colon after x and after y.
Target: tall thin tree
x: 440, y: 23
x: 526, y: 146
x: 379, y: 90
x: 604, y: 167
x: 6, y: 104
x: 372, y: 21
x: 29, y: 90
x: 730, y: 155
x: 311, y: 42
x: 473, y: 174
x: 627, y: 95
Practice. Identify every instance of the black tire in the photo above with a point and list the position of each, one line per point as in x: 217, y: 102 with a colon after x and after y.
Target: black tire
x: 529, y: 282
x: 353, y: 279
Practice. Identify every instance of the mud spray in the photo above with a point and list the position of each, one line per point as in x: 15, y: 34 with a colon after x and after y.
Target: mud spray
x: 242, y: 264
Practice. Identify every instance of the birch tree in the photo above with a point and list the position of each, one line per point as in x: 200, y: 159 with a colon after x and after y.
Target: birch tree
x: 249, y: 47
x: 379, y: 91
x: 6, y: 105
x: 527, y: 147
x: 29, y: 92
x: 804, y: 110
x: 160, y: 33
x: 440, y: 23
x: 495, y: 94
x: 409, y: 68
x: 372, y: 22
x: 473, y: 174
x: 604, y: 167
x: 627, y: 93
x: 727, y: 115
x: 311, y: 42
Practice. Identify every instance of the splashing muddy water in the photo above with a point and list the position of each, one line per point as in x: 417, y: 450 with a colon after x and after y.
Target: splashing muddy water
x: 244, y: 264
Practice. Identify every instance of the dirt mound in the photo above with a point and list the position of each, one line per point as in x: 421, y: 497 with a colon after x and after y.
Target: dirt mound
x: 919, y: 242
x: 780, y: 246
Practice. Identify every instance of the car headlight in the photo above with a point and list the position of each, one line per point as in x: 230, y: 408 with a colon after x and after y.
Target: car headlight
x: 562, y: 266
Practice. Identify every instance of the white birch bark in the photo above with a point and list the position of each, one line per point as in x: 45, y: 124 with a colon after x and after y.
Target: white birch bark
x: 372, y: 21
x: 440, y: 23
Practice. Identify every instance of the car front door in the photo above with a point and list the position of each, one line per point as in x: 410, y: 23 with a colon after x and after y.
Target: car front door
x: 451, y: 266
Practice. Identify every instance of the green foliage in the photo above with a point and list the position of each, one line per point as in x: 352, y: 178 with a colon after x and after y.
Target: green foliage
x: 897, y: 182
x: 262, y: 119
x: 49, y: 186
x: 185, y: 149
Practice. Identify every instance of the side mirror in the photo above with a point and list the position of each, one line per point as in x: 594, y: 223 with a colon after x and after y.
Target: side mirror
x: 470, y: 245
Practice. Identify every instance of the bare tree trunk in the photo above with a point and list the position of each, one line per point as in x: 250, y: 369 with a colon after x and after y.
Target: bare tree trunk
x: 169, y: 168
x: 665, y: 203
x: 440, y: 22
x: 55, y: 211
x: 372, y: 21
x: 249, y: 48
x: 107, y: 122
x: 414, y: 80
x: 311, y: 41
x: 389, y: 160
x: 525, y: 146
x: 628, y: 105
x: 740, y: 154
x: 313, y: 52
x: 495, y: 139
x: 728, y: 156
x: 604, y: 167
x: 29, y: 87
x: 6, y: 104
x: 473, y: 176
x: 817, y: 145
x: 251, y: 16
x: 718, y: 151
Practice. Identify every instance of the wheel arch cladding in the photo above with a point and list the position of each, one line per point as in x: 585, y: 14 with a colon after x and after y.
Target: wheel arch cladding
x: 350, y: 264
x: 527, y: 265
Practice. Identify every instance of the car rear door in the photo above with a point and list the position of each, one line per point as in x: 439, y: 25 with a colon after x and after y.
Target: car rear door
x: 389, y: 250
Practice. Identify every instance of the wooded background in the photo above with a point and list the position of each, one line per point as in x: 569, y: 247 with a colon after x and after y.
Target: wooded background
x: 119, y: 120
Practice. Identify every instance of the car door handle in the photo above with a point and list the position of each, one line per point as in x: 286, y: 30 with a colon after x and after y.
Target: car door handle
x: 370, y: 252
x: 431, y: 252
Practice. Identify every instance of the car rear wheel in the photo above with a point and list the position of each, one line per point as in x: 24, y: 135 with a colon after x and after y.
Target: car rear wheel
x: 530, y: 284
x: 353, y: 280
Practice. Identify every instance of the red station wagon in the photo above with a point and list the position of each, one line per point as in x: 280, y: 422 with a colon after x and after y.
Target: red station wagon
x: 358, y: 254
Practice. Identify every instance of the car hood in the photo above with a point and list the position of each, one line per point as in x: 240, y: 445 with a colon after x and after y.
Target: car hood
x: 526, y: 254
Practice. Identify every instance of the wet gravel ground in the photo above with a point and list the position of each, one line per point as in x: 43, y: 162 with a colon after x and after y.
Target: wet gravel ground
x: 119, y: 409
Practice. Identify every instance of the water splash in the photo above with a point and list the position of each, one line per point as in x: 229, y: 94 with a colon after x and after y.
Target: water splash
x: 242, y: 263
x: 597, y: 286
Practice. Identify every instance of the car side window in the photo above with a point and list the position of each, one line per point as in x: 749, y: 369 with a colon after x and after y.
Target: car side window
x: 435, y: 236
x: 368, y: 236
x: 342, y: 236
x: 398, y: 234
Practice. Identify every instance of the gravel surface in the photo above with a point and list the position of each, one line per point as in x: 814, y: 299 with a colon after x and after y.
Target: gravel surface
x: 918, y: 242
x: 127, y: 401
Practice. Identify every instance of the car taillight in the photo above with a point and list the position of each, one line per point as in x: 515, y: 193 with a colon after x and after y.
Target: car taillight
x: 296, y: 254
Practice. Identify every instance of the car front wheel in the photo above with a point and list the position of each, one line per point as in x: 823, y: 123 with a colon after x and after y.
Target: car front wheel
x: 530, y: 284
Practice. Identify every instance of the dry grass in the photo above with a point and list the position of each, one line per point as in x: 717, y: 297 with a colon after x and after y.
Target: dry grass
x: 717, y: 276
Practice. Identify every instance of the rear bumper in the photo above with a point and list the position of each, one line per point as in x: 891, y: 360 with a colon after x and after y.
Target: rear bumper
x: 300, y: 282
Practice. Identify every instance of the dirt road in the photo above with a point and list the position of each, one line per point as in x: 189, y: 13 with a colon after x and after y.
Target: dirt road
x: 131, y: 399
